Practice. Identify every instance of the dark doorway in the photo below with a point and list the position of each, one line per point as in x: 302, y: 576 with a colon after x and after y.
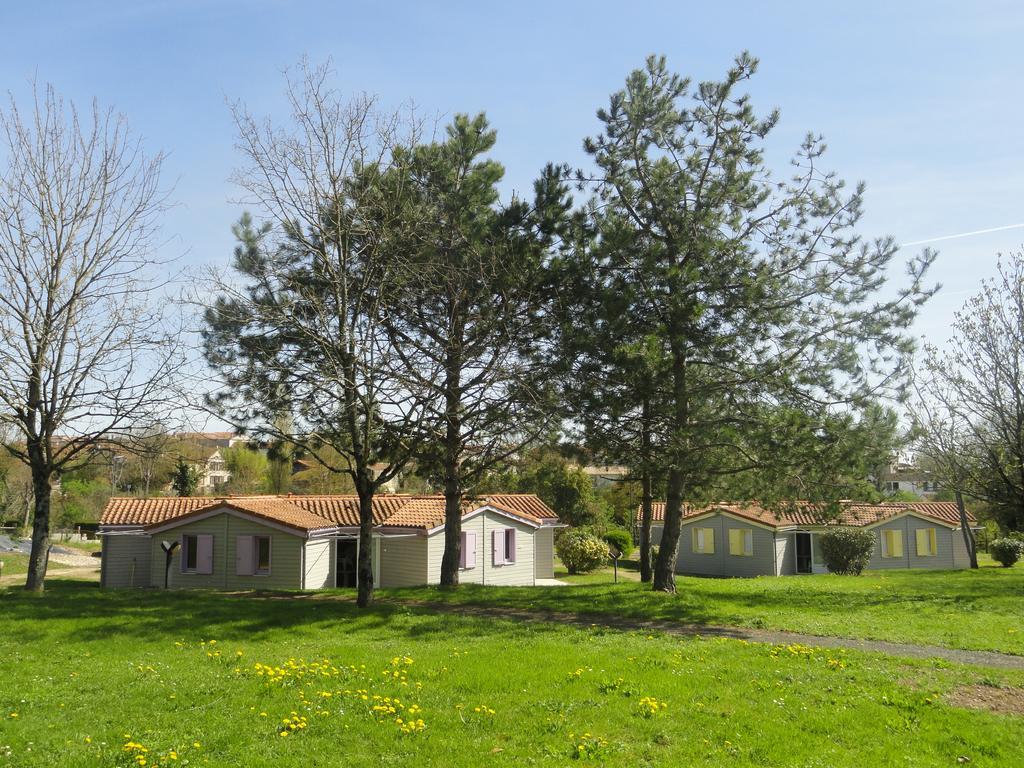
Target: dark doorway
x: 345, y: 564
x: 803, y: 553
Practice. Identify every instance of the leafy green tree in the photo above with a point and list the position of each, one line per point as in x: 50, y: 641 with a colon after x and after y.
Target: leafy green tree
x: 248, y: 467
x: 81, y: 501
x: 762, y: 298
x: 466, y: 320
x: 185, y: 479
x: 564, y: 487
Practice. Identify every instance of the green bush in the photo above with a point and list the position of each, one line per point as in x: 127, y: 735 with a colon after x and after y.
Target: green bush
x: 847, y: 551
x: 580, y: 551
x: 1006, y: 551
x: 621, y: 539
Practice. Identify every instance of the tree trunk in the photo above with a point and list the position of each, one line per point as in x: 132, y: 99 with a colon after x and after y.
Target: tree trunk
x: 40, y: 530
x: 646, y: 504
x: 364, y: 567
x: 965, y: 529
x: 664, y: 568
x: 452, y: 532
x: 647, y: 499
x: 452, y: 469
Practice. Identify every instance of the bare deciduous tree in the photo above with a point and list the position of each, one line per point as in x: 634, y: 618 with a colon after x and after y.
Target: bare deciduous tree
x: 297, y: 330
x: 970, y: 400
x: 84, y: 351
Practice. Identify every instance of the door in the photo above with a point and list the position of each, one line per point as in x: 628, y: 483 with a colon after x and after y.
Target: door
x: 803, y: 553
x: 345, y: 563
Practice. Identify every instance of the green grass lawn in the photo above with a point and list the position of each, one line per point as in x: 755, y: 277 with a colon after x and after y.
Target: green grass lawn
x: 979, y: 610
x: 94, y: 678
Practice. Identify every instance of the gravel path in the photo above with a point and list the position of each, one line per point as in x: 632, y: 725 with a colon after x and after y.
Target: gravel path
x: 775, y: 637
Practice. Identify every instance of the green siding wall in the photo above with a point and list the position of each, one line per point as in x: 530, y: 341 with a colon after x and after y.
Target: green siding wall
x: 119, y: 552
x: 721, y: 563
x: 403, y: 561
x: 319, y: 564
x: 285, y: 556
x: 909, y: 525
x: 544, y: 553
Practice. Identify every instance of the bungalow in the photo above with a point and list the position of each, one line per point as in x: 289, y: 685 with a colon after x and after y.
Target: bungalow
x: 311, y: 542
x: 748, y: 540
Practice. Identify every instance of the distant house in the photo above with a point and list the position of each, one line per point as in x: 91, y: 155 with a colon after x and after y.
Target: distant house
x: 310, y: 542
x: 748, y: 540
x: 908, y: 477
x: 603, y: 476
x: 214, y: 473
x: 212, y: 439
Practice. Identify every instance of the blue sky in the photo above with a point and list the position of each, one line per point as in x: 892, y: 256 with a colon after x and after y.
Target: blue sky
x: 922, y: 101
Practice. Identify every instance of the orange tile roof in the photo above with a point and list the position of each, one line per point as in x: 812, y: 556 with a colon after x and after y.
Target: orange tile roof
x: 313, y: 512
x: 273, y: 509
x: 804, y: 513
x: 133, y: 511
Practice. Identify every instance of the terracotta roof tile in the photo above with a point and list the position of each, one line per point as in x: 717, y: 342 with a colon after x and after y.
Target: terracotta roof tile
x: 313, y: 512
x: 133, y: 511
x: 851, y: 513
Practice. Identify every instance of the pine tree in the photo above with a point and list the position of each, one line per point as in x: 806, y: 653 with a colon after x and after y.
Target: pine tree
x: 466, y: 322
x: 185, y: 479
x: 763, y: 319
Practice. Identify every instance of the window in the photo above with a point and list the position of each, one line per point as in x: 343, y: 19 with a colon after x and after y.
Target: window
x: 703, y: 540
x: 741, y: 541
x: 467, y: 550
x: 892, y: 543
x: 252, y: 555
x: 197, y: 553
x: 189, y: 552
x: 262, y: 555
x: 926, y: 542
x: 503, y: 546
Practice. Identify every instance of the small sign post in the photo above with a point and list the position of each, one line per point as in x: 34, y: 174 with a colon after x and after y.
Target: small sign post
x: 616, y: 554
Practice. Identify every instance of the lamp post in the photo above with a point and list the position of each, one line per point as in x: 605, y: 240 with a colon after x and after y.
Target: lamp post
x: 168, y: 547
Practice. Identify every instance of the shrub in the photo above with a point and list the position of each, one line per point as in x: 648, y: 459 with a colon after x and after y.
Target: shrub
x: 1006, y: 551
x: 621, y: 539
x: 580, y: 551
x: 847, y: 550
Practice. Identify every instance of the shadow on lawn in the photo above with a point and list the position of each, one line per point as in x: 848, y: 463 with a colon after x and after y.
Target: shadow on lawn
x: 83, y: 610
x: 724, y: 601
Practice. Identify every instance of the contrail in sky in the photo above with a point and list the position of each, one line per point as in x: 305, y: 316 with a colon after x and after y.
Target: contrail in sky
x: 963, y: 234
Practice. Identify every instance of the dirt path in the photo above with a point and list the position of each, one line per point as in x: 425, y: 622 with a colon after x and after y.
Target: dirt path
x: 775, y: 637
x: 82, y: 573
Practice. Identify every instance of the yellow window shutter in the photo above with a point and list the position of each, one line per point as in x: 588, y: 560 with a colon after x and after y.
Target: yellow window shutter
x: 923, y: 542
x: 897, y: 544
x: 735, y: 541
x: 934, y: 548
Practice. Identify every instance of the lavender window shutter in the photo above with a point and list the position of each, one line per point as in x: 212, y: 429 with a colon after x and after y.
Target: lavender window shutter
x: 245, y: 555
x: 462, y: 549
x: 498, y: 547
x: 204, y: 561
